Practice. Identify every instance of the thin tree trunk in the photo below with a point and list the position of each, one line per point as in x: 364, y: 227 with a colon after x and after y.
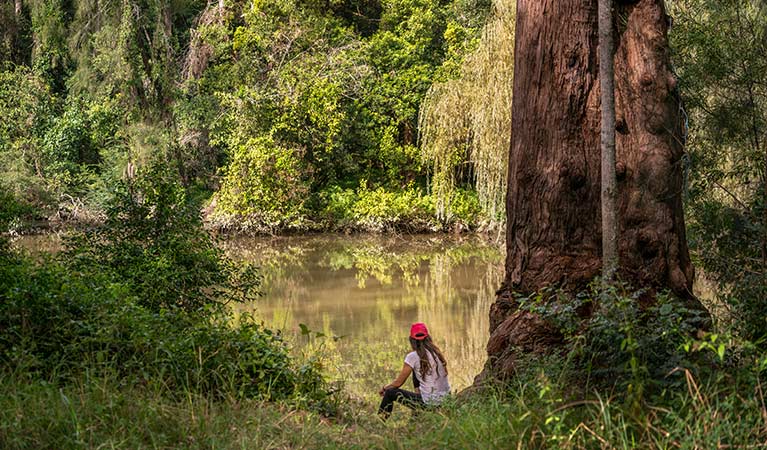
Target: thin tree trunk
x: 554, y: 229
x: 757, y: 143
x: 609, y: 189
x: 764, y: 212
x: 18, y: 5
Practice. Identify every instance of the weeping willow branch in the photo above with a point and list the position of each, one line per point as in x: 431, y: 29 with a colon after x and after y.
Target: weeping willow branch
x: 465, y: 123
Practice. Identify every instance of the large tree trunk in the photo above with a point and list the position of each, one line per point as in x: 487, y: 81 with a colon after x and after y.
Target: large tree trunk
x: 553, y: 234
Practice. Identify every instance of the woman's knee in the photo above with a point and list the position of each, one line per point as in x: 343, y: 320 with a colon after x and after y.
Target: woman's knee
x: 391, y: 393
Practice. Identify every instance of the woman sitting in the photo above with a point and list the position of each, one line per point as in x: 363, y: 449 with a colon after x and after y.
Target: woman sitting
x: 429, y: 369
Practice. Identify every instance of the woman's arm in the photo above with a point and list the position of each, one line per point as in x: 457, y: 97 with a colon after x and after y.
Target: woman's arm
x: 400, y: 380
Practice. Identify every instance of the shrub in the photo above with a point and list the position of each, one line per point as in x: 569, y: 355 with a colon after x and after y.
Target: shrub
x: 153, y: 243
x: 67, y: 148
x: 730, y: 246
x: 379, y: 209
x: 264, y: 184
x: 12, y: 213
x: 338, y: 204
x: 140, y: 299
x: 616, y: 336
x: 27, y: 107
x: 382, y: 209
x: 59, y: 325
x: 465, y: 208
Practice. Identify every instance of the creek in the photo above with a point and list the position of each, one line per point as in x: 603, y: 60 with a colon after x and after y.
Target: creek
x: 353, y: 298
x: 349, y: 300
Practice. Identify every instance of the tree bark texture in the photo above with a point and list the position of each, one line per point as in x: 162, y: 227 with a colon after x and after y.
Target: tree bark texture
x: 553, y: 234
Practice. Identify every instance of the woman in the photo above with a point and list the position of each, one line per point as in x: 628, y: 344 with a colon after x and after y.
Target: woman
x: 429, y: 369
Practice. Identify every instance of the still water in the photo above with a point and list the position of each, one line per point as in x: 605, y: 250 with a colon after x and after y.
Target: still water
x: 359, y: 294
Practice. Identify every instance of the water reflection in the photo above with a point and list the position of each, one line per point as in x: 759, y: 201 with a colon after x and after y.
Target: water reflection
x: 369, y: 289
x: 38, y: 245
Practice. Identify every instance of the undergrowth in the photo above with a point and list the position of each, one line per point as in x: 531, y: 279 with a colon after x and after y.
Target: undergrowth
x: 364, y: 209
x: 142, y: 301
x: 532, y: 412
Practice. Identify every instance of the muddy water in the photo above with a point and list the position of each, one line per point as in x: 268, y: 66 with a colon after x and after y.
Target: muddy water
x: 358, y: 295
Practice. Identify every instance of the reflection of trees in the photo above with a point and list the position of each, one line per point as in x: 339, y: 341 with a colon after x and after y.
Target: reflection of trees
x: 371, y: 289
x: 383, y: 261
x: 282, y: 263
x: 457, y: 304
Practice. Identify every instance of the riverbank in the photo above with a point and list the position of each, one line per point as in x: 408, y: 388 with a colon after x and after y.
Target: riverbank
x: 379, y: 210
x: 533, y: 413
x: 347, y: 211
x: 364, y: 290
x: 233, y: 226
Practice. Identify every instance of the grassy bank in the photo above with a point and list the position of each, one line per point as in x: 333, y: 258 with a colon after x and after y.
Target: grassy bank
x: 135, y: 306
x: 98, y: 413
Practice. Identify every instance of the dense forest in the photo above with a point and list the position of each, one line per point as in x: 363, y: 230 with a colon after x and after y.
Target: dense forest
x: 296, y: 115
x: 141, y: 126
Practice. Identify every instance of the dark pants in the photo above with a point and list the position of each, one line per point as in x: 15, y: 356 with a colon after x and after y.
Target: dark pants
x: 407, y: 398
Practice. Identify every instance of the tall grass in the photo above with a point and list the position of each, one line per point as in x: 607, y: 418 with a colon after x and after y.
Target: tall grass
x: 99, y: 413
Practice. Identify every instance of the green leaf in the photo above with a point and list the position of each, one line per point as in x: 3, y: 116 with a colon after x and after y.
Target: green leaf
x: 720, y: 352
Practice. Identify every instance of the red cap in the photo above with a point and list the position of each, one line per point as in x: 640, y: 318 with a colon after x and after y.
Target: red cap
x: 418, y: 331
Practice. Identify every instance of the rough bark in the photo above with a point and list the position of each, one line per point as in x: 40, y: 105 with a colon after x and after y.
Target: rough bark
x: 553, y: 234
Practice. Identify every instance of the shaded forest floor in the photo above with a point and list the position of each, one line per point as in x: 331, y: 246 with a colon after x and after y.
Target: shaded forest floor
x: 532, y: 413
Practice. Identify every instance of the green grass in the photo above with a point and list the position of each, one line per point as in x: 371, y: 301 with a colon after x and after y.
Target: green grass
x: 99, y: 413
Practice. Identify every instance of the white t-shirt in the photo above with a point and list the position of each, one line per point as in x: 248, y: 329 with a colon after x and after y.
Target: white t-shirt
x: 433, y: 387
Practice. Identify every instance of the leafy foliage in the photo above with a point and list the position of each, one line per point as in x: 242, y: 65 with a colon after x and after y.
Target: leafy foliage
x: 138, y: 301
x: 153, y: 243
x: 719, y: 48
x: 264, y: 184
x: 60, y: 324
x: 619, y: 335
x: 219, y: 89
x: 27, y: 109
x: 408, y: 209
x: 381, y: 209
